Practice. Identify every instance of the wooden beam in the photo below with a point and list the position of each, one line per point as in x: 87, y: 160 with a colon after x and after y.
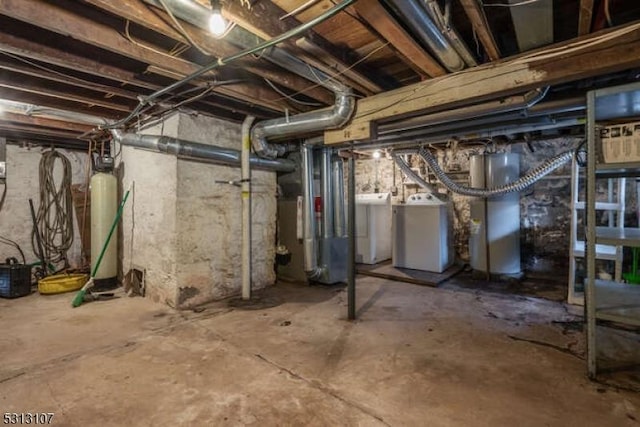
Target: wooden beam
x: 44, y: 122
x: 317, y: 57
x: 40, y: 131
x: 480, y: 25
x: 62, y: 104
x: 65, y: 22
x: 263, y: 19
x: 36, y: 87
x: 595, y: 55
x: 32, y: 50
x: 377, y: 16
x: 585, y: 16
x: 156, y: 20
x: 108, y: 91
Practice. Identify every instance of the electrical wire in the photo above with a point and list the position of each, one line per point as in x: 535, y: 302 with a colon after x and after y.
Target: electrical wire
x: 10, y: 242
x: 522, y: 3
x: 182, y: 31
x: 289, y: 97
x: 226, y: 60
x: 334, y: 75
x: 54, y: 219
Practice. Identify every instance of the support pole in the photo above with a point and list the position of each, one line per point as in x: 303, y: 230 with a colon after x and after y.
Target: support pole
x: 351, y: 225
x: 245, y: 166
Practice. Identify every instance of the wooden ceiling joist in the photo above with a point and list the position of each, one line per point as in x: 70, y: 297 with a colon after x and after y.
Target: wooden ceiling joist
x: 39, y: 73
x: 263, y: 19
x: 313, y: 54
x: 156, y: 20
x: 34, y: 87
x: 599, y: 53
x: 480, y: 25
x: 585, y: 16
x: 44, y: 122
x: 62, y: 21
x: 377, y: 16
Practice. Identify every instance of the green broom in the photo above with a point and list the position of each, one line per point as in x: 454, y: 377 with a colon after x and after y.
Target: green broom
x: 79, y: 298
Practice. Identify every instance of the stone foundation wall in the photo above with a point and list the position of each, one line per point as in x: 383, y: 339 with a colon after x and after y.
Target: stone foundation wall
x: 184, y: 229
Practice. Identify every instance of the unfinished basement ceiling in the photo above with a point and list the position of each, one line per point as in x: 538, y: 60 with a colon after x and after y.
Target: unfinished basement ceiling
x: 98, y: 57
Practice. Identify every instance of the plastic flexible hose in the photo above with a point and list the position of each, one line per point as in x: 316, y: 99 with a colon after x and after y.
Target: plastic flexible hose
x: 55, y: 215
x: 519, y: 185
x: 404, y: 167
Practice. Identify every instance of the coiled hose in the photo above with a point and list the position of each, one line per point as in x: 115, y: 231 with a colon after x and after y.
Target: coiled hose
x: 404, y: 167
x: 519, y: 185
x: 55, y: 216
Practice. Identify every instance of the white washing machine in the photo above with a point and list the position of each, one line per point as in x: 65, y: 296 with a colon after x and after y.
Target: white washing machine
x: 373, y: 228
x: 422, y: 234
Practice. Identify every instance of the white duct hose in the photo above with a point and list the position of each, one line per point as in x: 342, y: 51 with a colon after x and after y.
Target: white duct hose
x: 404, y: 167
x: 519, y: 185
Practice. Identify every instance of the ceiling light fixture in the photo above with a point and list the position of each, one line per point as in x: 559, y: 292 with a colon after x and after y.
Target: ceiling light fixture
x: 377, y: 154
x: 217, y: 24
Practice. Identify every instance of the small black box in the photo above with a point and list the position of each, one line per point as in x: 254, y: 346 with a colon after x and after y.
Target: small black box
x: 15, y: 280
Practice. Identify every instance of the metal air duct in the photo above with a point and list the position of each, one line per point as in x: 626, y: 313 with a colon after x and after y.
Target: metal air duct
x: 423, y: 26
x: 197, y: 151
x: 330, y: 118
x: 442, y: 21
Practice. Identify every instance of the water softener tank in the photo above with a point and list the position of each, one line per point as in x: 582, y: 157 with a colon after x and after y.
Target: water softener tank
x: 494, y: 239
x: 104, y: 205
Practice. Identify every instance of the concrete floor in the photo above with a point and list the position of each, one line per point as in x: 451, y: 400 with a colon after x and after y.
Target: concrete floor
x: 416, y: 356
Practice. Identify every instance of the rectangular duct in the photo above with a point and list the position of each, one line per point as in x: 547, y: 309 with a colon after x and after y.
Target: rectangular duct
x: 533, y: 23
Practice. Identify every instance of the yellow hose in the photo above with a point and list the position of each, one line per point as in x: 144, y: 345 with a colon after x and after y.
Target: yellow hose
x: 61, y: 283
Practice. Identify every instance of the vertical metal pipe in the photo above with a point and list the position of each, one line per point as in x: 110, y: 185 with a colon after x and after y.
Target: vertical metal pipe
x: 351, y: 223
x: 590, y: 238
x: 327, y: 194
x: 310, y: 242
x: 338, y: 197
x: 245, y: 170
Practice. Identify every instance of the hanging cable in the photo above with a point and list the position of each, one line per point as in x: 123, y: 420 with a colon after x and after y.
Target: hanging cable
x: 55, y: 216
x: 10, y: 242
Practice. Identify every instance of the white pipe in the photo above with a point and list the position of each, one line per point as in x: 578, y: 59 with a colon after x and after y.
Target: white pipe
x: 245, y: 170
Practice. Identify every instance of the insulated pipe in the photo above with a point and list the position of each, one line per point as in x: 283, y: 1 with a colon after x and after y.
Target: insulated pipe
x: 197, y: 151
x: 327, y: 194
x: 245, y: 168
x: 310, y: 242
x: 422, y: 25
x: 338, y: 197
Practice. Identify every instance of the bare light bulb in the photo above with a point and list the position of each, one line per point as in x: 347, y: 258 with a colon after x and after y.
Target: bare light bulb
x: 217, y: 24
x: 376, y: 154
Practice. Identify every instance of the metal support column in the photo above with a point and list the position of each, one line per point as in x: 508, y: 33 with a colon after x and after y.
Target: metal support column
x: 351, y: 225
x: 590, y: 238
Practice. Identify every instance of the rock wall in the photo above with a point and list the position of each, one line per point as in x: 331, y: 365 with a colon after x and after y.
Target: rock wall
x: 545, y: 207
x: 23, y: 184
x: 187, y: 232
